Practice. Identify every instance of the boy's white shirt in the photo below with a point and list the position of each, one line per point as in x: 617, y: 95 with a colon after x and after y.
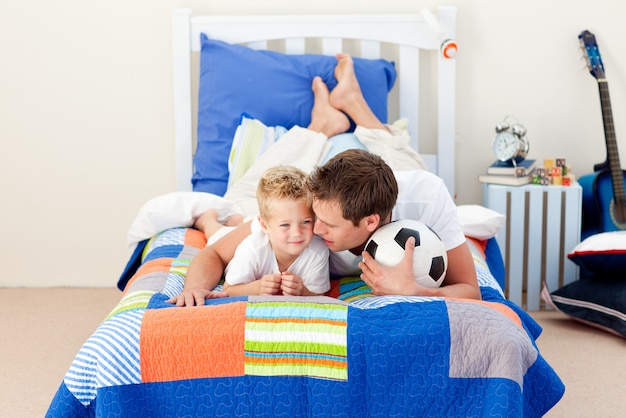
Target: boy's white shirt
x: 255, y: 257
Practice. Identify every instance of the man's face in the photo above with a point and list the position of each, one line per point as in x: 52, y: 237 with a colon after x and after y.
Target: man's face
x: 337, y: 232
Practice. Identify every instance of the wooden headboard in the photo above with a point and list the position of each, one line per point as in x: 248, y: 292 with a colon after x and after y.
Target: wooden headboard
x: 421, y: 45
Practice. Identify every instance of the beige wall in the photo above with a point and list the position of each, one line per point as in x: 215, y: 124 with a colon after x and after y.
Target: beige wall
x: 86, y: 111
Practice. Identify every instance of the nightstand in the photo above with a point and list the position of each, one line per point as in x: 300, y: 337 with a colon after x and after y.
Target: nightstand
x: 542, y: 227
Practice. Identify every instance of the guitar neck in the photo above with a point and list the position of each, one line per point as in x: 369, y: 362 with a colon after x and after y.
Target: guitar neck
x: 612, y: 154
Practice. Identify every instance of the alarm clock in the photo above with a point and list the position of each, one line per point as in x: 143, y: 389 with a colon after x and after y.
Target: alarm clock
x: 510, y: 143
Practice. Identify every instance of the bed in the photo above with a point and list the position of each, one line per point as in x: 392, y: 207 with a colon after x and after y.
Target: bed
x: 347, y: 353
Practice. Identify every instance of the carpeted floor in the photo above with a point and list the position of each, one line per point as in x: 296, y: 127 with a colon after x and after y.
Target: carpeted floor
x: 42, y: 330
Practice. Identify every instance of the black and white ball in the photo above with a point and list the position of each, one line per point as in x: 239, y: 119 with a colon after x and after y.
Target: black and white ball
x: 430, y: 260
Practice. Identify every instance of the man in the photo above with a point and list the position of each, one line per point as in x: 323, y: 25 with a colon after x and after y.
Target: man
x: 355, y: 193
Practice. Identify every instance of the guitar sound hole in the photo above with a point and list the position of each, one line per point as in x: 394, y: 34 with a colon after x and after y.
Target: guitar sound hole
x: 618, y: 213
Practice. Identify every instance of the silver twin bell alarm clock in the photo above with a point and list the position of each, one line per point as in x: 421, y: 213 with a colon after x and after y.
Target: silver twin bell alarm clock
x: 510, y: 144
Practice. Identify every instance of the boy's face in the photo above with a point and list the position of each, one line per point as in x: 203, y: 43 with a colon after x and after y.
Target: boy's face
x: 290, y: 227
x: 339, y: 233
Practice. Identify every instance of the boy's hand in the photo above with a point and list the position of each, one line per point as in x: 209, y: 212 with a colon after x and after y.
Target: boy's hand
x: 291, y: 284
x: 269, y: 284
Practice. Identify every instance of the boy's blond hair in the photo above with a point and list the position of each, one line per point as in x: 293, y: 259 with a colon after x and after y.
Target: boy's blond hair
x: 281, y: 182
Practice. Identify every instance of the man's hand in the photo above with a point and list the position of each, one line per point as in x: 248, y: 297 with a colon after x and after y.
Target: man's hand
x: 206, y: 268
x: 195, y: 297
x: 460, y: 281
x: 393, y: 280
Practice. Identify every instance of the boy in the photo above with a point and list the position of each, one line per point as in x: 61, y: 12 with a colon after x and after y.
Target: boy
x: 281, y: 255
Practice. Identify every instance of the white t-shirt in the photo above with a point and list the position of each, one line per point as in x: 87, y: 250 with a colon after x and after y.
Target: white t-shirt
x: 421, y: 196
x: 255, y: 257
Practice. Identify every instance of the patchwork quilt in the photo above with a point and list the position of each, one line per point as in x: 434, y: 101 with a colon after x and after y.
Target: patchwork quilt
x: 345, y: 354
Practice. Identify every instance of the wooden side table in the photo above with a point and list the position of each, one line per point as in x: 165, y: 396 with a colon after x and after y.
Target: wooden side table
x: 542, y: 227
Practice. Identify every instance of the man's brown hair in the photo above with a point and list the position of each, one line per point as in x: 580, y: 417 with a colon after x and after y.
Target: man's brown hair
x: 359, y: 181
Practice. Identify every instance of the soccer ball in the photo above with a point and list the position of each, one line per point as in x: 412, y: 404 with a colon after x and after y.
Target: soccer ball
x: 430, y: 260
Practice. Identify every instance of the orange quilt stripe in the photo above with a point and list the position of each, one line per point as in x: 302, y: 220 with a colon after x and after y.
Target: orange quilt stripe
x: 333, y: 292
x: 159, y: 265
x: 299, y: 362
x: 195, y: 238
x: 176, y: 343
x: 480, y: 245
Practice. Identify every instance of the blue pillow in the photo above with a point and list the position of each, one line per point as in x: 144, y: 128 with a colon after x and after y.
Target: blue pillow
x: 601, y: 255
x: 598, y: 303
x: 274, y: 87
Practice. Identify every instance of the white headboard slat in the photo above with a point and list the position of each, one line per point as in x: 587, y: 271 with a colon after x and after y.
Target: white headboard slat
x: 295, y: 46
x: 332, y: 46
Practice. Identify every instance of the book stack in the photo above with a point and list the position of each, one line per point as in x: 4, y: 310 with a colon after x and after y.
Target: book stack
x: 508, y: 174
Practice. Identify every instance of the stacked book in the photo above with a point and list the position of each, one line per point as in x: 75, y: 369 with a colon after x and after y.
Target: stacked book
x: 508, y: 174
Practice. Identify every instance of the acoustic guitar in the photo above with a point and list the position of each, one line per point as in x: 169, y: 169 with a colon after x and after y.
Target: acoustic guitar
x: 603, y: 197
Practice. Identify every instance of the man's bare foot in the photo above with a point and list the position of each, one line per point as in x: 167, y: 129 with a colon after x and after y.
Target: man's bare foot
x: 348, y: 90
x: 348, y: 97
x: 324, y: 117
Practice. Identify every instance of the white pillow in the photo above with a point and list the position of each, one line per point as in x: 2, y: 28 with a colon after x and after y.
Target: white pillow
x: 479, y: 222
x: 251, y: 140
x: 176, y: 209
